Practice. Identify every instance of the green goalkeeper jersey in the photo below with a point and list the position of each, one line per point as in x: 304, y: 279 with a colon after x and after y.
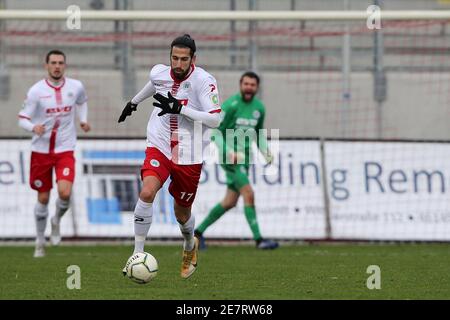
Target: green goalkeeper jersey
x: 245, y: 119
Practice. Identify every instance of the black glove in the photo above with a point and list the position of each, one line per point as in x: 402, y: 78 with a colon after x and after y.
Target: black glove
x: 129, y: 108
x: 168, y: 105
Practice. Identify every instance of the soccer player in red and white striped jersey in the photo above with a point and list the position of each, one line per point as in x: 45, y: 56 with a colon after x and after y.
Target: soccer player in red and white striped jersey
x: 49, y: 112
x: 188, y: 104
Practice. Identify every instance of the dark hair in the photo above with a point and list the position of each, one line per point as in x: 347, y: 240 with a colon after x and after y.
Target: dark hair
x: 57, y: 52
x: 184, y: 41
x: 250, y: 74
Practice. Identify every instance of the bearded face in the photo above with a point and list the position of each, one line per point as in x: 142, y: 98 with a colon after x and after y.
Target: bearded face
x: 249, y: 88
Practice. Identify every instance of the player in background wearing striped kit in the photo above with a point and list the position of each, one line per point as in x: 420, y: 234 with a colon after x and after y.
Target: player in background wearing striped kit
x: 49, y: 113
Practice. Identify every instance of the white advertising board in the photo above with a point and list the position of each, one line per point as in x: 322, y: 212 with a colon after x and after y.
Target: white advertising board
x: 376, y: 191
x: 389, y: 190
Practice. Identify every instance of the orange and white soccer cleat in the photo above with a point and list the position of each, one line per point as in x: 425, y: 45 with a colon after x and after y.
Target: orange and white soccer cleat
x: 190, y: 259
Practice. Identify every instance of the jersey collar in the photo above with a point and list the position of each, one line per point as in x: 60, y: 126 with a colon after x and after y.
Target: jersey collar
x: 56, y: 88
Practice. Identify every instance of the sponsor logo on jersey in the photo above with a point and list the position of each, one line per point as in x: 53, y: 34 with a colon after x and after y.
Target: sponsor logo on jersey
x: 66, y: 172
x: 186, y: 85
x: 213, y: 87
x: 256, y: 114
x: 246, y: 122
x: 70, y: 94
x: 37, y: 183
x: 154, y: 163
x: 45, y: 97
x: 59, y: 109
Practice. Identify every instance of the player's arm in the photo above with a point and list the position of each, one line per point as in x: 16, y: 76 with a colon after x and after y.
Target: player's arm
x: 210, y: 119
x: 209, y: 102
x: 261, y: 139
x: 146, y: 92
x: 82, y: 109
x: 29, y: 107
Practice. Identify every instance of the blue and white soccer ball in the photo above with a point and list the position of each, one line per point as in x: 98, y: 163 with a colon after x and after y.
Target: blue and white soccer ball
x: 141, y: 267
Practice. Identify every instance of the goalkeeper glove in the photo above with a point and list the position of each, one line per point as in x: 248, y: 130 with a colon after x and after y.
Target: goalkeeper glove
x: 129, y: 108
x: 167, y: 105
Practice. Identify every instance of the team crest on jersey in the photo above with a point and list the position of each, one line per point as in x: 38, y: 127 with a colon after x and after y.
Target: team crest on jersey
x: 37, y: 183
x: 256, y: 114
x: 154, y: 163
x: 214, y: 98
x: 66, y: 172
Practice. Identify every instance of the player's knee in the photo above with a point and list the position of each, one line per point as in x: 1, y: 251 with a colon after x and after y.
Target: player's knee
x: 147, y: 195
x: 64, y: 195
x: 44, y: 198
x: 227, y: 205
x: 249, y: 197
x: 250, y: 201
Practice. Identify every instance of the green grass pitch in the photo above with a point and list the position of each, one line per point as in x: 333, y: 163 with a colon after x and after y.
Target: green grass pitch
x: 318, y: 271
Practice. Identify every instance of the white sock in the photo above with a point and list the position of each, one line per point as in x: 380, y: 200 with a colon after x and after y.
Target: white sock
x: 187, y: 230
x: 61, y: 207
x: 40, y: 215
x: 143, y: 213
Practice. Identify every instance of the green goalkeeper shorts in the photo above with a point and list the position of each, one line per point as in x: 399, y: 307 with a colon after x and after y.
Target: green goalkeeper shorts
x: 237, y: 176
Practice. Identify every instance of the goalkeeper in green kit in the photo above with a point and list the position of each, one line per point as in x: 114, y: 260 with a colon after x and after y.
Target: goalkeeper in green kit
x: 242, y: 121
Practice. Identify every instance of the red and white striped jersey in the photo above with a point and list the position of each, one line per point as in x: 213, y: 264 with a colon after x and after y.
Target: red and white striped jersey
x: 176, y: 136
x: 54, y: 107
